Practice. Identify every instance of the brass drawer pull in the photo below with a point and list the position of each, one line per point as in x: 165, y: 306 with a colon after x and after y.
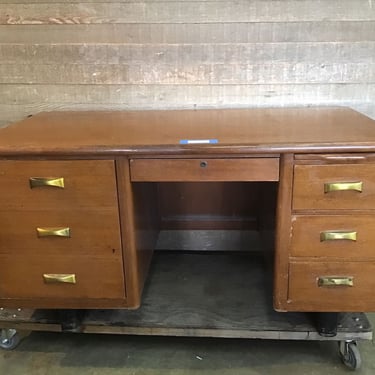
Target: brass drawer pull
x: 338, y: 235
x: 339, y: 186
x: 46, y: 181
x: 55, y: 278
x: 50, y: 232
x: 329, y: 281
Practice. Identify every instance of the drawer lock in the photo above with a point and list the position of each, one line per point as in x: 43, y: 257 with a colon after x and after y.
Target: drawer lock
x: 333, y: 281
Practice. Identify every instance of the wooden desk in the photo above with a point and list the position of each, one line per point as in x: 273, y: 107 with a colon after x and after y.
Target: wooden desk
x: 79, y: 198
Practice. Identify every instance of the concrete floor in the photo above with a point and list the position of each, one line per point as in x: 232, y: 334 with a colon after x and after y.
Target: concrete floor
x: 84, y: 354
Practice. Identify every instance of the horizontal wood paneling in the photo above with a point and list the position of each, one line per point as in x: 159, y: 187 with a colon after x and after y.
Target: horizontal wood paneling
x: 231, y: 73
x: 141, y: 33
x: 181, y: 54
x: 164, y: 95
x: 184, y: 12
x: 184, y: 54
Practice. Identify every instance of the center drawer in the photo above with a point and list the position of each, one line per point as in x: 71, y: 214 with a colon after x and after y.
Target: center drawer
x: 174, y: 170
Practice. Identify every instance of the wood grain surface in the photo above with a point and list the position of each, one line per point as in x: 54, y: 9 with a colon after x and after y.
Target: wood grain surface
x: 204, y: 169
x: 184, y: 54
x: 195, y: 305
x: 283, y: 234
x: 136, y: 132
x: 183, y: 12
x: 306, y: 241
x: 309, y: 184
x: 96, y: 277
x: 88, y: 184
x: 305, y: 294
x: 181, y: 55
x: 174, y: 33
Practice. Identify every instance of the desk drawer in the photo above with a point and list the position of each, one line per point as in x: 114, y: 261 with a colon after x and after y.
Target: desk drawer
x: 306, y: 294
x: 23, y: 277
x: 339, y: 236
x: 86, y: 183
x: 251, y: 169
x: 86, y: 232
x: 349, y: 186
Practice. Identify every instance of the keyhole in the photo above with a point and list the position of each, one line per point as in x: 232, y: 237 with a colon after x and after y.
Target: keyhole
x: 203, y: 164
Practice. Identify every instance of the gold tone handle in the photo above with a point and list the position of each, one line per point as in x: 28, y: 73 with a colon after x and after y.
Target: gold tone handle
x: 338, y: 235
x: 55, y: 278
x: 339, y: 186
x: 328, y: 281
x: 46, y: 181
x: 49, y: 232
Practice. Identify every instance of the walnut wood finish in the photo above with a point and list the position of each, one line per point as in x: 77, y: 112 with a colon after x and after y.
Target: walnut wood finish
x: 283, y: 233
x: 205, y: 169
x: 305, y: 294
x: 126, y: 211
x: 88, y: 184
x: 208, y: 205
x: 92, y: 232
x: 22, y: 277
x: 237, y: 131
x: 335, y: 158
x: 137, y: 206
x: 95, y: 148
x: 87, y: 205
x: 309, y: 183
x: 306, y: 240
x: 317, y: 211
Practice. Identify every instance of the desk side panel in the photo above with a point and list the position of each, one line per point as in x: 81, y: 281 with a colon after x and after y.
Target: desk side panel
x: 283, y: 233
x: 139, y: 227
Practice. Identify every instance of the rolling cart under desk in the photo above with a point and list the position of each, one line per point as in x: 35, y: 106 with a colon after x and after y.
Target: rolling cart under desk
x: 84, y: 197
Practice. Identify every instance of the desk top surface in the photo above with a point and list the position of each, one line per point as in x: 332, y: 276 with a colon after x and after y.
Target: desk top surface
x: 231, y: 131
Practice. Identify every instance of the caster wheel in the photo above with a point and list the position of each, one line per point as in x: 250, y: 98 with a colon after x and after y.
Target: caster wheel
x: 350, y: 355
x: 9, y: 339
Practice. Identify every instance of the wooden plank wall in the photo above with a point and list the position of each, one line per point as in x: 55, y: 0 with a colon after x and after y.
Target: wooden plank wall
x: 185, y: 54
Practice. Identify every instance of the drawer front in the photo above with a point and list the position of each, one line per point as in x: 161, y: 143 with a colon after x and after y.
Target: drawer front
x: 42, y: 233
x: 305, y: 294
x: 31, y: 277
x: 350, y: 186
x: 252, y: 169
x: 36, y: 185
x: 333, y: 236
